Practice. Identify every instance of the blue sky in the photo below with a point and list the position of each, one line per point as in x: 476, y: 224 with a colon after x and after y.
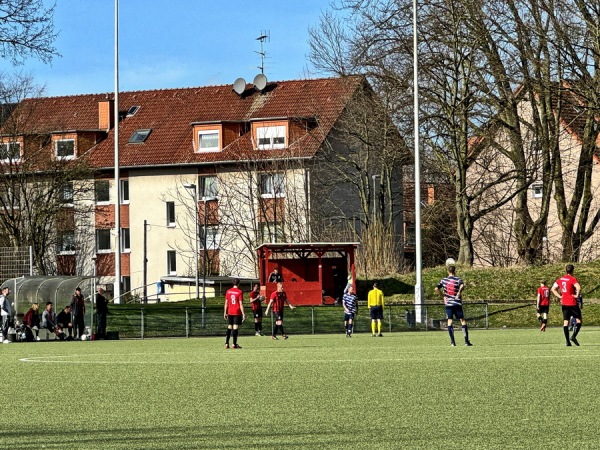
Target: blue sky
x: 176, y: 43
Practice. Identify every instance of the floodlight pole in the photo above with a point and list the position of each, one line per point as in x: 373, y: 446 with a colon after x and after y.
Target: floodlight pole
x: 203, y: 264
x: 418, y: 259
x: 117, y: 284
x: 194, y: 188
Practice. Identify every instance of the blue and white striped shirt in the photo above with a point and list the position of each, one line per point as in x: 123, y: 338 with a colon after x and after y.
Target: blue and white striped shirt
x: 451, y: 286
x: 350, y: 302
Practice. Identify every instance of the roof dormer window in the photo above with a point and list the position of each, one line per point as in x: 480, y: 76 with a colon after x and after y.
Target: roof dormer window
x: 271, y: 137
x: 10, y: 152
x: 65, y: 148
x: 208, y: 140
x: 139, y: 136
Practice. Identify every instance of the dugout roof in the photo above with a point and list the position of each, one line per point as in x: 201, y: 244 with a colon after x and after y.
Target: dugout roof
x: 41, y: 289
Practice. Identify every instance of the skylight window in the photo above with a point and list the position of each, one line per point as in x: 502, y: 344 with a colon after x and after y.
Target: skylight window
x: 131, y: 111
x: 139, y: 136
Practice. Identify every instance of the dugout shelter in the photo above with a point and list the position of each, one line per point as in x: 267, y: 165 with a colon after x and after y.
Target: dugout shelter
x: 56, y: 289
x: 314, y: 273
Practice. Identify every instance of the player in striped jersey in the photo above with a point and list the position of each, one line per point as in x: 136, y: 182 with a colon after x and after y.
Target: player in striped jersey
x: 350, y: 303
x: 450, y: 288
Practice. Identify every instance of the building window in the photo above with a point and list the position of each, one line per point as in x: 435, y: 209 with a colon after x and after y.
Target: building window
x: 270, y: 137
x: 268, y: 231
x: 102, y: 190
x: 209, y: 187
x: 171, y: 214
x: 10, y: 151
x: 65, y: 148
x: 272, y: 185
x: 213, y: 237
x: 10, y: 197
x: 124, y: 191
x: 125, y: 284
x: 537, y: 191
x: 66, y: 242
x: 171, y: 262
x: 208, y: 140
x: 67, y: 193
x: 139, y: 136
x: 125, y: 240
x: 103, y: 240
x: 409, y: 235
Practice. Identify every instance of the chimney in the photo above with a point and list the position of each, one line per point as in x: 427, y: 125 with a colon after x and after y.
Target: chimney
x: 106, y: 114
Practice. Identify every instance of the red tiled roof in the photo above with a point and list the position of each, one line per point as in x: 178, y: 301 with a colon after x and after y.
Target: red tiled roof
x: 171, y: 112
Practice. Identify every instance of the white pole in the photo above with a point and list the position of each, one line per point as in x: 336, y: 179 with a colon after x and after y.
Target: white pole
x: 418, y: 260
x: 117, y: 284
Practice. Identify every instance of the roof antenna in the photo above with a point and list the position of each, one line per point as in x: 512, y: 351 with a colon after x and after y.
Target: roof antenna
x: 265, y: 36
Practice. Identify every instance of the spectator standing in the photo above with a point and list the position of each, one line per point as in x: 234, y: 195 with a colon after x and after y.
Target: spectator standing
x: 63, y: 320
x: 450, y: 288
x: 6, y: 311
x: 234, y: 312
x: 101, y: 313
x: 350, y: 303
x: 543, y: 304
x: 568, y: 294
x: 275, y: 276
x: 278, y: 300
x: 78, y: 311
x: 257, y: 310
x: 32, y: 320
x: 376, y: 304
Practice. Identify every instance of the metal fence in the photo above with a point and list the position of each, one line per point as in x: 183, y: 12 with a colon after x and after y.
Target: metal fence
x: 147, y: 322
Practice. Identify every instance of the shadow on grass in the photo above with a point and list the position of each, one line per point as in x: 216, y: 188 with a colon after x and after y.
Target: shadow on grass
x: 164, y: 437
x: 391, y: 286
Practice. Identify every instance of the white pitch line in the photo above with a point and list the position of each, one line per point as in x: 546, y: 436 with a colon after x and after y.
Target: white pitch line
x: 62, y: 360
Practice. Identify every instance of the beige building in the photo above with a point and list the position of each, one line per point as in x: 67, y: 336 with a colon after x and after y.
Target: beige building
x: 493, y: 238
x: 240, y: 167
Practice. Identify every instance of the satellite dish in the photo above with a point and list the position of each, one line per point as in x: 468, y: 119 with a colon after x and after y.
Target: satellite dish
x: 239, y: 86
x: 260, y: 82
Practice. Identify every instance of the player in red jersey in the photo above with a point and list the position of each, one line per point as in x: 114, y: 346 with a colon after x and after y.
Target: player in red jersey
x: 234, y: 312
x: 278, y: 300
x: 543, y: 304
x: 569, y: 291
x: 256, y: 304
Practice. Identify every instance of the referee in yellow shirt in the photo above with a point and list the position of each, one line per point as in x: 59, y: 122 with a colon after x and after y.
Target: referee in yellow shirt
x: 375, y: 304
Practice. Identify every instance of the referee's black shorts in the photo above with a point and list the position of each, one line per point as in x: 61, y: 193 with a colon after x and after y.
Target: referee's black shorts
x: 376, y: 312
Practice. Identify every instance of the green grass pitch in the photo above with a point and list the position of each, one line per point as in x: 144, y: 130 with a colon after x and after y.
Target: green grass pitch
x: 513, y: 389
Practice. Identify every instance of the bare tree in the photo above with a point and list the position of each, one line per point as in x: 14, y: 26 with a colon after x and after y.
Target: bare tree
x: 43, y: 197
x: 26, y: 30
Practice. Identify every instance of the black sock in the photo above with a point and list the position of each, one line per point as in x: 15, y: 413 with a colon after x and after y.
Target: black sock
x: 235, y: 335
x: 281, y: 328
x: 540, y: 319
x: 227, y: 336
x: 577, y: 328
x: 451, y: 333
x: 465, y: 331
x: 255, y: 326
x: 566, y: 332
x: 275, y: 330
x: 350, y: 328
